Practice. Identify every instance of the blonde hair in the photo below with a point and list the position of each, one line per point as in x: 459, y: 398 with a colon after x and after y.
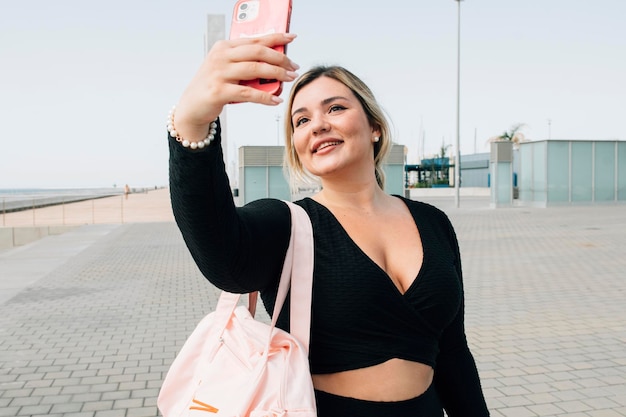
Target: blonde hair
x: 298, y: 175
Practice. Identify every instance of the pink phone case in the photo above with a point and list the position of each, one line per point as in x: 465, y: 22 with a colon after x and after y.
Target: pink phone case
x: 254, y: 18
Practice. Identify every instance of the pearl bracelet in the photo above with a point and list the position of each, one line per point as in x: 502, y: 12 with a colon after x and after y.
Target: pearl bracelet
x: 193, y: 145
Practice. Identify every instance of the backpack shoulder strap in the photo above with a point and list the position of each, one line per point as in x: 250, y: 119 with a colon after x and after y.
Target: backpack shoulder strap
x: 301, y: 275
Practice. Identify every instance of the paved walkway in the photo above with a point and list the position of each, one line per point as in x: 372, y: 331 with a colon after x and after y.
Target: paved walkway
x: 91, y: 319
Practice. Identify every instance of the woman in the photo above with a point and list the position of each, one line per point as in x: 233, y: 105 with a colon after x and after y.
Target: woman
x: 387, y: 335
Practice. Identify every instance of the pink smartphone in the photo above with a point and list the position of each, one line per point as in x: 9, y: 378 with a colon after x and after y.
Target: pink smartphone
x: 254, y: 18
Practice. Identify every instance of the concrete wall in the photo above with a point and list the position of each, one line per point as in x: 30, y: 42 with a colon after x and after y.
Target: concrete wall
x: 394, y: 170
x: 417, y: 193
x: 475, y: 170
x: 17, y: 236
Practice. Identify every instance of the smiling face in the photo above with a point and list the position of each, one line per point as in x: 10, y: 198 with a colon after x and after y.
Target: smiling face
x: 331, y: 132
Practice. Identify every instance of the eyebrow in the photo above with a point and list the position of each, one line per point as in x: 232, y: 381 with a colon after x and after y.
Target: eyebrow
x: 324, y: 103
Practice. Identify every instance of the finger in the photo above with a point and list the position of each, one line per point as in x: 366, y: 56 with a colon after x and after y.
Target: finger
x: 260, y: 53
x: 261, y: 49
x: 245, y: 94
x: 274, y: 39
x: 251, y: 70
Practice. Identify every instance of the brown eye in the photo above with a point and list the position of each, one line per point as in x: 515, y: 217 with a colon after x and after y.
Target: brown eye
x: 300, y: 121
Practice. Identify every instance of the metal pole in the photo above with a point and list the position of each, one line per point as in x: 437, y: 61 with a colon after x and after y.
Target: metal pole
x: 457, y: 158
x: 549, y: 128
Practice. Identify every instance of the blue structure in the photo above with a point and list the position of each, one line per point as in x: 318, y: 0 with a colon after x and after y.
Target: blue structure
x: 474, y: 170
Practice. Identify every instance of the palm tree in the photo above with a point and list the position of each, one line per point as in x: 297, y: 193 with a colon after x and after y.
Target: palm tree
x: 514, y: 135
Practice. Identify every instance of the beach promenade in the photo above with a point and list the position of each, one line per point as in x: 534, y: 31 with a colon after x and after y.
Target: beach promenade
x: 151, y: 206
x: 91, y: 319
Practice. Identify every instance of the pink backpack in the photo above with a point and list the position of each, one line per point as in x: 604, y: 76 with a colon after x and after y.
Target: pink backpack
x: 235, y: 366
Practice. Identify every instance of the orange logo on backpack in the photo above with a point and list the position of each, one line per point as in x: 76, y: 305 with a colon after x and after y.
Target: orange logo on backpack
x: 203, y: 407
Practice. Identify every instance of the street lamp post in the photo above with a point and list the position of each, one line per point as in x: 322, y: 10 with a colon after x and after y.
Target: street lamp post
x: 457, y: 158
x: 549, y: 128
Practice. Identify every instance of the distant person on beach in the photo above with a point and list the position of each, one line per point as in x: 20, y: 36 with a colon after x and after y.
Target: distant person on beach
x: 387, y: 328
x: 126, y: 190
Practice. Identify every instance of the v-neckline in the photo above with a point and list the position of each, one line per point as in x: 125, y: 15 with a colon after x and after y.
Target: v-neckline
x: 371, y: 261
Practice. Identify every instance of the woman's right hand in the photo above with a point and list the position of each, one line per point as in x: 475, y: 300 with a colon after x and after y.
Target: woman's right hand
x: 217, y: 81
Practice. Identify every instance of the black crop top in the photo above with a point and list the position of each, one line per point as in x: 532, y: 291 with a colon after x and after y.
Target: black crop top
x: 359, y: 317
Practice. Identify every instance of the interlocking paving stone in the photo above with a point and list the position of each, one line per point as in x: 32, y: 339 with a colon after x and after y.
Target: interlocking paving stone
x: 94, y: 335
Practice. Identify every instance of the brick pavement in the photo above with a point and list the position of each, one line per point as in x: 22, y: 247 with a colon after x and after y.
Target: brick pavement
x: 545, y: 288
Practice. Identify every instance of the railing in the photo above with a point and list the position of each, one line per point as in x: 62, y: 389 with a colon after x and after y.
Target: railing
x: 78, y: 210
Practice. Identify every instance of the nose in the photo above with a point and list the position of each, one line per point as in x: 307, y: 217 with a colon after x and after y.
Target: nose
x: 320, y: 125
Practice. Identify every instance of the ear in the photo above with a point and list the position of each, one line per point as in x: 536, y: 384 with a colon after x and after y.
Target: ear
x: 375, y: 134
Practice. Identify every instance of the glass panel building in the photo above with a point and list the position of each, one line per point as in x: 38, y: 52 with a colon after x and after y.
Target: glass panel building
x: 261, y: 173
x: 558, y: 172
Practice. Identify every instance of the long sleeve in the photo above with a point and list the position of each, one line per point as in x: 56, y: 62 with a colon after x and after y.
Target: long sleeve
x: 238, y: 249
x: 456, y: 376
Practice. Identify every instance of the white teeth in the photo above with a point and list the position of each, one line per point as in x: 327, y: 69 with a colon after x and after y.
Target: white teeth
x: 327, y: 144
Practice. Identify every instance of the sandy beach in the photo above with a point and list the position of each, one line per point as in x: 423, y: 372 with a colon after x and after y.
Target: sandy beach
x: 151, y: 206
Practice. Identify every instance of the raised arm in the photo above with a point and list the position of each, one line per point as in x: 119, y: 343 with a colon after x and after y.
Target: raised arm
x: 238, y: 249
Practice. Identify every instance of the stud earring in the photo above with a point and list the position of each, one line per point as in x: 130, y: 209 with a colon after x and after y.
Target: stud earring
x: 376, y: 138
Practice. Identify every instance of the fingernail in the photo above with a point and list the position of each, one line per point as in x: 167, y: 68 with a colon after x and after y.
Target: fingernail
x: 291, y: 35
x: 292, y: 75
x: 277, y: 100
x: 295, y: 66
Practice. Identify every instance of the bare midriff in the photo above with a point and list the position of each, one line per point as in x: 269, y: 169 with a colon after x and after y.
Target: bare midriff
x: 394, y: 380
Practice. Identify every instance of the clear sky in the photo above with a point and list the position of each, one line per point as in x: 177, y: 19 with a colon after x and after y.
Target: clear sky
x: 85, y: 87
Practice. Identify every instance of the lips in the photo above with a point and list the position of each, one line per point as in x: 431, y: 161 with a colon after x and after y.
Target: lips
x: 326, y: 144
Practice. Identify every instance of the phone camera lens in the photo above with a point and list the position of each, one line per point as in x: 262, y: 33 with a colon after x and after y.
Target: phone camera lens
x: 242, y: 16
x: 244, y: 6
